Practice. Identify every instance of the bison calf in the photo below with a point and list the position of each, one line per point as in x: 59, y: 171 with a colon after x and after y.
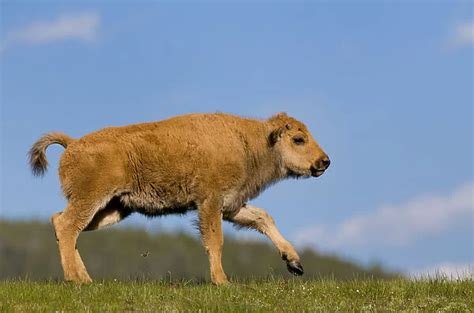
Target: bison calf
x: 212, y: 163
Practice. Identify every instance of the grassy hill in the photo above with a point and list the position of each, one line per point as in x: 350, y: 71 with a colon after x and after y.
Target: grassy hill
x: 28, y: 249
x: 138, y: 271
x: 273, y: 295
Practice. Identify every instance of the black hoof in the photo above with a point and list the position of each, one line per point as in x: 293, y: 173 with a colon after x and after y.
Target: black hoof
x: 295, y: 268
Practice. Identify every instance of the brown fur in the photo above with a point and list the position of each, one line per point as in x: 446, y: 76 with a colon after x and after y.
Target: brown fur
x: 214, y: 163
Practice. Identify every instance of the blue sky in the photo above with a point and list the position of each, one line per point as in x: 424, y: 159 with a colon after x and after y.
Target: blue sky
x: 385, y: 88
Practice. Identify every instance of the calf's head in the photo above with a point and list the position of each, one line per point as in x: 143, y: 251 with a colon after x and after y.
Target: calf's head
x: 300, y: 154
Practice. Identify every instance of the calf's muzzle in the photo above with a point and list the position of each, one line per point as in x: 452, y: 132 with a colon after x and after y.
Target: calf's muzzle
x: 321, y: 165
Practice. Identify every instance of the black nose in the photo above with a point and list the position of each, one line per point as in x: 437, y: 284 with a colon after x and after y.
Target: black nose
x: 325, y: 162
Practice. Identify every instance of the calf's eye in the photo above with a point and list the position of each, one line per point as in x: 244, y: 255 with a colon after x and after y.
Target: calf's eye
x: 299, y: 140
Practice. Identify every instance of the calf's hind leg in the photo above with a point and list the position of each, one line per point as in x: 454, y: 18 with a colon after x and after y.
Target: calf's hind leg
x: 256, y: 218
x: 67, y: 226
x: 78, y: 259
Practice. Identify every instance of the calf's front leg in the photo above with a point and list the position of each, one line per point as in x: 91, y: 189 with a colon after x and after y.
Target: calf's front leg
x: 210, y: 225
x: 256, y: 218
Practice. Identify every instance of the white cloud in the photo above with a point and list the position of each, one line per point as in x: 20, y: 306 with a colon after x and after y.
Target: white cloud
x: 396, y: 224
x: 83, y: 26
x: 448, y: 270
x: 463, y: 34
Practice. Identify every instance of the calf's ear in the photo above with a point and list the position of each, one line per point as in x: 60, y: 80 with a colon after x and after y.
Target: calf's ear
x: 275, y: 135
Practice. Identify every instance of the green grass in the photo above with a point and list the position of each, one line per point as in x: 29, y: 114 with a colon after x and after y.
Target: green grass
x: 269, y: 295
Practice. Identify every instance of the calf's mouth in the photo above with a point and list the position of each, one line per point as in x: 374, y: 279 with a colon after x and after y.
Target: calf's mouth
x: 317, y: 172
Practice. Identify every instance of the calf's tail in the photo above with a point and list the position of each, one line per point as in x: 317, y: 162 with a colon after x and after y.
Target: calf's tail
x: 37, y: 154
